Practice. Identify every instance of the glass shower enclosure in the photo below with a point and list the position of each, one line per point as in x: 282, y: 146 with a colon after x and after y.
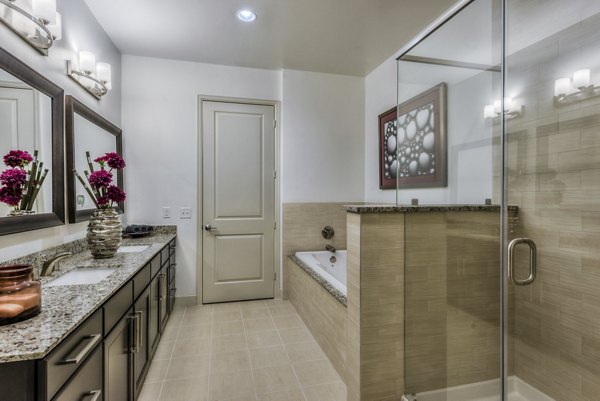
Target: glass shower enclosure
x: 498, y: 122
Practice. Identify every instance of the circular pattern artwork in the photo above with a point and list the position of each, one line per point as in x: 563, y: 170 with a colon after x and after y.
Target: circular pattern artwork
x: 410, y: 144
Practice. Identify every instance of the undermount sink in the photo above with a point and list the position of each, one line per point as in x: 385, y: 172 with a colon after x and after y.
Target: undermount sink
x: 80, y: 277
x: 132, y: 248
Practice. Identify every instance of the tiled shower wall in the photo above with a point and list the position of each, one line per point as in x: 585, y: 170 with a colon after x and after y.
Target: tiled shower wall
x: 554, y: 178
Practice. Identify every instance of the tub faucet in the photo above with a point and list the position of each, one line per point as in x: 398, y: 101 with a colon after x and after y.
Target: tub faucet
x: 330, y: 248
x: 49, y: 265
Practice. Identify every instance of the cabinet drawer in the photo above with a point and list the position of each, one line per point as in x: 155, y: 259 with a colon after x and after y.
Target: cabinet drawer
x: 71, y: 353
x: 86, y: 384
x: 141, y: 280
x: 117, y: 305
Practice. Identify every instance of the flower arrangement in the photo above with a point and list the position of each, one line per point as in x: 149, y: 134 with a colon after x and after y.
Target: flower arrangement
x: 19, y: 186
x: 99, y: 185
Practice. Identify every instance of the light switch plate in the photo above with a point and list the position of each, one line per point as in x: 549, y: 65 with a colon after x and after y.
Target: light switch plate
x: 166, y: 212
x: 185, y: 212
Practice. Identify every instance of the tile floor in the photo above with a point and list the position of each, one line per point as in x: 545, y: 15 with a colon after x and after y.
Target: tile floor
x: 257, y: 350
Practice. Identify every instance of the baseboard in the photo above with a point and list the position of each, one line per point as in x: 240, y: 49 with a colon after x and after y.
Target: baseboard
x: 186, y: 301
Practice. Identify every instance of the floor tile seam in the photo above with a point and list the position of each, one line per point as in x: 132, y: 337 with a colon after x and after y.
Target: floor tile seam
x: 288, y: 356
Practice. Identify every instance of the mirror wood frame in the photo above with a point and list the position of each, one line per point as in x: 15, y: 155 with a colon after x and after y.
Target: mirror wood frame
x: 17, y: 224
x: 74, y: 106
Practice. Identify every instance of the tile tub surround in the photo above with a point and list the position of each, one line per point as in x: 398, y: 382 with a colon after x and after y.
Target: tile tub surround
x: 302, y: 225
x: 375, y: 313
x: 65, y: 307
x: 323, y: 313
x: 337, y: 294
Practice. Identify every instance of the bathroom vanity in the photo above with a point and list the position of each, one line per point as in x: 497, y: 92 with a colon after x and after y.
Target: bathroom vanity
x: 93, y: 341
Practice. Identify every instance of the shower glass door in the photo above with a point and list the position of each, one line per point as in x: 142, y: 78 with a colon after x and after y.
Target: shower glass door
x: 448, y: 153
x: 552, y: 174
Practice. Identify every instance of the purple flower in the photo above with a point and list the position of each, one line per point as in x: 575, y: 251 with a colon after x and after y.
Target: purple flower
x: 10, y: 196
x: 17, y: 158
x: 13, y: 177
x: 102, y: 201
x: 112, y: 159
x: 115, y: 194
x: 100, y: 178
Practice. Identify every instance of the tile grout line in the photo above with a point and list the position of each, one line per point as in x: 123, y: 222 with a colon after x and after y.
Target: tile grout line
x: 287, y: 353
x: 248, y: 352
x: 162, y: 383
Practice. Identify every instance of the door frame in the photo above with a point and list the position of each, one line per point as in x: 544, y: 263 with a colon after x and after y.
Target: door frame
x: 277, y: 283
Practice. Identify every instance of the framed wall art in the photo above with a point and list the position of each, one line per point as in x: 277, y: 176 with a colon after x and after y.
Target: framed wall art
x: 412, y: 142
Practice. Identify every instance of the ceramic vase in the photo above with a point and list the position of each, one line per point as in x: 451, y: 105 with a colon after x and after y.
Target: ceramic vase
x: 104, y: 233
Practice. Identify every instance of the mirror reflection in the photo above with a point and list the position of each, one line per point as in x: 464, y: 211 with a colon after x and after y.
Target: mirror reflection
x: 25, y: 125
x: 91, y: 138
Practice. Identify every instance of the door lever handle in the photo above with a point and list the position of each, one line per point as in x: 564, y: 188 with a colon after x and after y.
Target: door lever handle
x: 208, y: 227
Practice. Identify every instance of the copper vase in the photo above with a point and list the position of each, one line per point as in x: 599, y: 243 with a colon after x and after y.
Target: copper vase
x: 20, y: 294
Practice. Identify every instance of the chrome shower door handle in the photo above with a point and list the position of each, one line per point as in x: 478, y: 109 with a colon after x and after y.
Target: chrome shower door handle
x: 532, y: 261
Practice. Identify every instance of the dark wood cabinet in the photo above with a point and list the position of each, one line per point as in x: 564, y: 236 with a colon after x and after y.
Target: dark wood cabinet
x: 106, y: 357
x: 118, y: 372
x: 141, y: 358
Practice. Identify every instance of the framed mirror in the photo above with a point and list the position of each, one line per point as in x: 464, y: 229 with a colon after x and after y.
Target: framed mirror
x: 87, y: 131
x: 31, y: 120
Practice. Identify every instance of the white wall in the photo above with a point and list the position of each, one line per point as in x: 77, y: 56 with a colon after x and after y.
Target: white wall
x: 160, y: 135
x: 81, y: 31
x: 322, y: 137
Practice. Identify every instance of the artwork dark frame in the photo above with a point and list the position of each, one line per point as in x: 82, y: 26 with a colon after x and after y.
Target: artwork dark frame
x: 74, y: 106
x: 413, y: 142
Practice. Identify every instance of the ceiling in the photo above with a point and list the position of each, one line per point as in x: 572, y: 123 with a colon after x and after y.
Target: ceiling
x: 349, y: 37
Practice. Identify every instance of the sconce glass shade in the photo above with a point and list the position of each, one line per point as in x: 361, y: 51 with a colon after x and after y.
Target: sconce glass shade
x: 562, y: 86
x: 56, y: 29
x: 30, y: 21
x: 45, y: 10
x: 103, y: 72
x: 581, y: 79
x: 87, y: 62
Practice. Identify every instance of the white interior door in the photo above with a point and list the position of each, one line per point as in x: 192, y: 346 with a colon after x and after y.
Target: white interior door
x: 238, y: 201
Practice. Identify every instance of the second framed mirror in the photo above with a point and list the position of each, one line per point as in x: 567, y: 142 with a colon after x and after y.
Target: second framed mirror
x: 87, y: 132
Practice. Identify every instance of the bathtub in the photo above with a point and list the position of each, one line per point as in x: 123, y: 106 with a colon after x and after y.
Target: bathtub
x: 333, y: 271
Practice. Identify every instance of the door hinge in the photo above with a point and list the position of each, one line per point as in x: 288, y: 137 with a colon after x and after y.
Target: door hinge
x: 274, y: 174
x: 274, y: 123
x: 275, y: 276
x: 274, y: 225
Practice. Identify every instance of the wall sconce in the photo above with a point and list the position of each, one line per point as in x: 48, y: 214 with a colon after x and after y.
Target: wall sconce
x: 93, y: 77
x: 576, y: 89
x: 512, y: 110
x: 36, y: 22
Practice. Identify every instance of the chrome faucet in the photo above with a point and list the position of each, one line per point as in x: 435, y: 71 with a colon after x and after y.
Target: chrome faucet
x: 330, y: 248
x: 50, y: 264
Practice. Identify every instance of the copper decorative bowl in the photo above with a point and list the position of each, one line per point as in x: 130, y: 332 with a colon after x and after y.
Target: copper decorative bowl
x: 20, y: 294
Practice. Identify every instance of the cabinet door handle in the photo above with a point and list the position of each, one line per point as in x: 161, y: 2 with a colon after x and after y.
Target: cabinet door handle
x: 133, y: 344
x: 139, y: 338
x: 160, y: 286
x: 94, y: 340
x: 95, y: 394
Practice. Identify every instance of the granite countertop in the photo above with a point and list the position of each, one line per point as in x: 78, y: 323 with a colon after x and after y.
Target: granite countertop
x: 65, y: 307
x: 391, y: 208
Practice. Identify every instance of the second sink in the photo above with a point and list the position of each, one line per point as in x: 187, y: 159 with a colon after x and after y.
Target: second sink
x: 80, y: 277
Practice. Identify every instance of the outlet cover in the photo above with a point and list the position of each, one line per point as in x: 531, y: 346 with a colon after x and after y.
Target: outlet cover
x: 185, y: 212
x: 166, y: 212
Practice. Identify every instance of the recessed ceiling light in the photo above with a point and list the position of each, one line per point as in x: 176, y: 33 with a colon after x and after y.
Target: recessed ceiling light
x: 246, y: 15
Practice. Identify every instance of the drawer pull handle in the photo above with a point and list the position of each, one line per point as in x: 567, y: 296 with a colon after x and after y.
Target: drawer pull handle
x: 95, y: 394
x: 94, y: 340
x: 139, y: 333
